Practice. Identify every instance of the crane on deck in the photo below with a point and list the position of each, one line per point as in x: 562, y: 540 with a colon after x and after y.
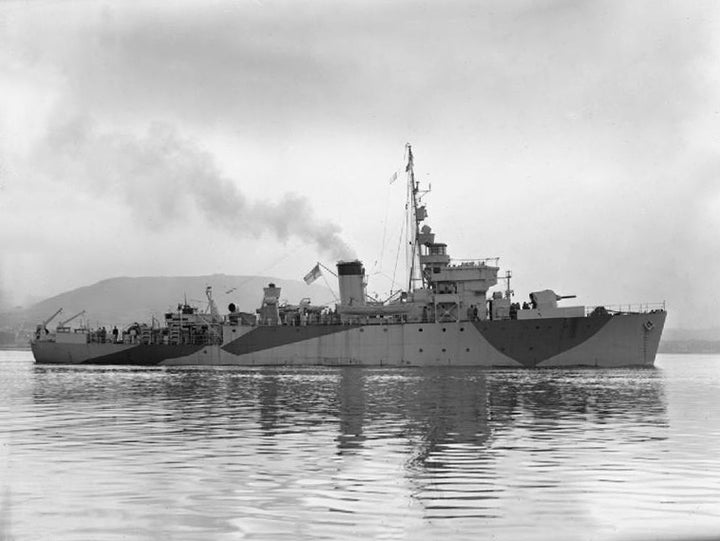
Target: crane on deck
x: 42, y: 327
x: 62, y: 325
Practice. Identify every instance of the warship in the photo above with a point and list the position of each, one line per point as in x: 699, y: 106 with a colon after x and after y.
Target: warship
x: 446, y: 316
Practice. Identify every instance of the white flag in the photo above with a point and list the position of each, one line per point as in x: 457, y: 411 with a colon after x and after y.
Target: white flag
x: 313, y: 275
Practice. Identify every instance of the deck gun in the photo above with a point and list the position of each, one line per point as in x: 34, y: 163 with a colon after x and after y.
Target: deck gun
x: 547, y: 298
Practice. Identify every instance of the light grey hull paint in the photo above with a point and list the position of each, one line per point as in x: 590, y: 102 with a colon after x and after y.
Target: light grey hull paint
x: 626, y: 340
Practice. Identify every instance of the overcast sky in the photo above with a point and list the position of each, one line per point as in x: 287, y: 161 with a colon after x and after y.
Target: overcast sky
x: 577, y: 141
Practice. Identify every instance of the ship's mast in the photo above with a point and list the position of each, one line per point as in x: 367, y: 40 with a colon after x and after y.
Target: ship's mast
x: 414, y: 219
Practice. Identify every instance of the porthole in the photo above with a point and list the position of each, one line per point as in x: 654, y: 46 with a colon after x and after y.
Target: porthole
x: 444, y: 350
x: 467, y: 350
x: 420, y: 329
x: 421, y: 350
x: 444, y: 329
x: 462, y: 329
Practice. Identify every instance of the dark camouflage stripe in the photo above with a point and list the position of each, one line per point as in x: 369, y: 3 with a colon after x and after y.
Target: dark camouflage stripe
x: 148, y: 355
x: 267, y: 337
x: 531, y: 341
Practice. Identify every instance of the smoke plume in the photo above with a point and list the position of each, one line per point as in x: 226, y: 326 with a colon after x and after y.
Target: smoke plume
x: 161, y: 176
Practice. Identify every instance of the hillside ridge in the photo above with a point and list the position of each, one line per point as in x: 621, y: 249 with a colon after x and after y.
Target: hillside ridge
x: 123, y: 300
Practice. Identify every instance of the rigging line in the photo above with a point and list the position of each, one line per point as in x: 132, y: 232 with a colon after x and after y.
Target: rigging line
x: 327, y: 269
x: 385, y: 275
x: 281, y: 259
x: 397, y: 255
x: 389, y: 229
x: 267, y: 268
x: 385, y: 220
x: 330, y: 288
x: 388, y: 191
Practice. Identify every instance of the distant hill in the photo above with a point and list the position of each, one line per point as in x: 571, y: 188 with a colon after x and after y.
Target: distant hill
x: 121, y: 301
x: 690, y: 346
x: 691, y: 334
x: 690, y: 341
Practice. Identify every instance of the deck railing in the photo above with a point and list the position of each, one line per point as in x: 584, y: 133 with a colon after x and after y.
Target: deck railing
x: 458, y: 262
x: 633, y: 308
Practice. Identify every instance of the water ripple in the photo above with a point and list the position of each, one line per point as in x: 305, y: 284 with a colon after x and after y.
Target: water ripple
x: 329, y: 453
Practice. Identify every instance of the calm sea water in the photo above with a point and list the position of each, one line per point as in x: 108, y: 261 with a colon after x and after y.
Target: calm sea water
x: 333, y: 453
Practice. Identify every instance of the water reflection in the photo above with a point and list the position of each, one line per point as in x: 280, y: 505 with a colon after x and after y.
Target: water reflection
x: 229, y: 452
x: 461, y: 426
x: 454, y: 401
x: 351, y: 406
x: 430, y: 409
x: 476, y: 424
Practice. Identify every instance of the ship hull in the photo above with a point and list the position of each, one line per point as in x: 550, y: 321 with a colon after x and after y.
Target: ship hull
x: 602, y: 341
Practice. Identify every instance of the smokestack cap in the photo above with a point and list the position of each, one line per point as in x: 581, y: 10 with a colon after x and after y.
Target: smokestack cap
x: 350, y: 268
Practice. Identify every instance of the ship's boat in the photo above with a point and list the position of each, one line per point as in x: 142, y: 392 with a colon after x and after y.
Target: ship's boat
x: 447, y: 316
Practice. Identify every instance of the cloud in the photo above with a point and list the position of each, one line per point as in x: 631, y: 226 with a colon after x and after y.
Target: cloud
x: 580, y: 129
x: 475, y: 67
